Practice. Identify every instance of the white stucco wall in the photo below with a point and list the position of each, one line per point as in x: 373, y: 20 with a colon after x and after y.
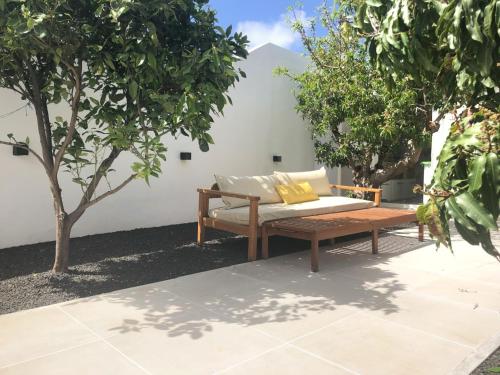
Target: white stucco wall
x: 438, y: 140
x: 261, y: 122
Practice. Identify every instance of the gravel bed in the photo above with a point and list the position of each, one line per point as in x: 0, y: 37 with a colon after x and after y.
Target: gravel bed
x: 108, y: 262
x: 488, y: 366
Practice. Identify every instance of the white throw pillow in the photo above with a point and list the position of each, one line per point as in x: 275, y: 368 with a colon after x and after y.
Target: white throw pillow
x: 259, y: 186
x: 317, y: 179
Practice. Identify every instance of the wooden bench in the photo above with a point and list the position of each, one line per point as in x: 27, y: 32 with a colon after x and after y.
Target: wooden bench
x: 329, y: 226
x: 253, y: 230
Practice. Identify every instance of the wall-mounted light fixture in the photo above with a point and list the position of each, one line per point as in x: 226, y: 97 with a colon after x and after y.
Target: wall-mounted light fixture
x: 277, y: 158
x: 185, y: 156
x: 20, y: 149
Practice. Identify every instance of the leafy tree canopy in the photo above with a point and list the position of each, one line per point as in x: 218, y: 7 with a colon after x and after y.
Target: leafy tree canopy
x: 356, y: 120
x: 130, y: 72
x: 456, y: 45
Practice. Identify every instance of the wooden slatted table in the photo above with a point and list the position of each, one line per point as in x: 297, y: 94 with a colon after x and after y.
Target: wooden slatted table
x: 329, y: 226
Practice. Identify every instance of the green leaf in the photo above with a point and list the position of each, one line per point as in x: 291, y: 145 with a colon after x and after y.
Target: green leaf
x: 473, y: 209
x: 132, y: 87
x: 494, y: 370
x: 471, y: 236
x: 488, y: 27
x: 485, y: 59
x: 492, y: 168
x: 204, y: 147
x: 458, y: 214
x: 477, y: 169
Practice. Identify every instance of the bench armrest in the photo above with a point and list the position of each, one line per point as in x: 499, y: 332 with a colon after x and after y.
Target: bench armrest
x: 253, y: 220
x: 377, y: 196
x: 217, y: 194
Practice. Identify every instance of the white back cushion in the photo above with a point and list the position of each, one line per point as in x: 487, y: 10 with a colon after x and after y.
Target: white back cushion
x: 317, y: 179
x: 260, y: 186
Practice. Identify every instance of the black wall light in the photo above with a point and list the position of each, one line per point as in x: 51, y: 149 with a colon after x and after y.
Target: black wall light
x: 20, y: 149
x: 185, y: 156
x: 277, y: 158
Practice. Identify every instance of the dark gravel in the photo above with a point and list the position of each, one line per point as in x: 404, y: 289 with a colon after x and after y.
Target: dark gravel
x: 492, y: 362
x: 108, y: 262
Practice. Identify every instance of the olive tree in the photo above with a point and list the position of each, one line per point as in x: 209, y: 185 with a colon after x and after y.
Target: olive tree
x: 454, y: 44
x: 355, y: 119
x: 130, y: 72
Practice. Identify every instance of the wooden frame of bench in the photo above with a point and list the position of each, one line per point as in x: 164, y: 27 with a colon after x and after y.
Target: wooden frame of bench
x: 329, y: 226
x: 253, y: 231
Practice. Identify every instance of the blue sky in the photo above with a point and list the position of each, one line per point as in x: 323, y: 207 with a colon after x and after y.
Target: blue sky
x: 263, y: 20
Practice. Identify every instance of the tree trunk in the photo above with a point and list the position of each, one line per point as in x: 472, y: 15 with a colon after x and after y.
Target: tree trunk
x: 63, y: 233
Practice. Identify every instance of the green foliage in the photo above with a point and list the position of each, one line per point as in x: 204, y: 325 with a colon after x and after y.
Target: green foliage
x: 134, y: 70
x: 466, y: 184
x: 456, y: 45
x: 452, y: 43
x: 356, y: 121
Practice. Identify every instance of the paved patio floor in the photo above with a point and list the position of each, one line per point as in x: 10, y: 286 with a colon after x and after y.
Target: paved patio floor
x: 408, y: 310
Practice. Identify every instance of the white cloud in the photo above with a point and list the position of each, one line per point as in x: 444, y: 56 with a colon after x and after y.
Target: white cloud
x: 278, y: 32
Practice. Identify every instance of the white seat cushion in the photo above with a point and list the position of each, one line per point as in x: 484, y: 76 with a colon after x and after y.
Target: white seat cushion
x: 324, y: 205
x: 317, y: 179
x: 259, y: 186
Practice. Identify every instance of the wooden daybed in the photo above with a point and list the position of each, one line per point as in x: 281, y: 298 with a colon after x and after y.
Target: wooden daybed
x: 253, y: 230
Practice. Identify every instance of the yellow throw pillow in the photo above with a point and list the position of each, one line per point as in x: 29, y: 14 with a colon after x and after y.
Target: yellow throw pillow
x: 297, y: 193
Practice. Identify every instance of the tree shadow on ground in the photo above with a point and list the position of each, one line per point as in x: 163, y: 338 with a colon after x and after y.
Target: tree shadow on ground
x: 194, y: 306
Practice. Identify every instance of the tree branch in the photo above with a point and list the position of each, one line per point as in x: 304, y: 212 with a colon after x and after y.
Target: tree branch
x: 101, y: 171
x: 80, y: 210
x: 37, y: 102
x: 410, y: 158
x: 110, y: 192
x: 75, y: 102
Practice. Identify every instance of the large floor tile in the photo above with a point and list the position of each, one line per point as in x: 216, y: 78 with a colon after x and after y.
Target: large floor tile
x: 97, y: 358
x: 211, y: 289
x: 29, y: 334
x: 373, y: 346
x: 350, y: 292
x: 284, y: 312
x: 472, y: 293
x: 196, y: 346
x: 456, y: 322
x: 381, y: 275
x: 275, y: 271
x: 488, y: 273
x: 443, y: 261
x: 132, y: 310
x: 286, y: 360
x: 297, y: 266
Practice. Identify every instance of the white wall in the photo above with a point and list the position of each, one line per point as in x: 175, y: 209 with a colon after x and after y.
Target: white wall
x: 438, y: 140
x: 261, y: 122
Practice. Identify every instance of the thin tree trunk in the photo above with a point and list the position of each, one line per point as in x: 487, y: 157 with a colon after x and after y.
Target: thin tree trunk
x: 63, y: 233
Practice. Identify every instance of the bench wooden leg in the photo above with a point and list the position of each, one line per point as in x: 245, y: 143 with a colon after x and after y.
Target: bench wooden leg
x: 201, y: 233
x: 421, y: 228
x: 265, y: 243
x: 253, y: 228
x: 252, y: 247
x: 375, y: 241
x: 314, y: 255
x: 202, y: 213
